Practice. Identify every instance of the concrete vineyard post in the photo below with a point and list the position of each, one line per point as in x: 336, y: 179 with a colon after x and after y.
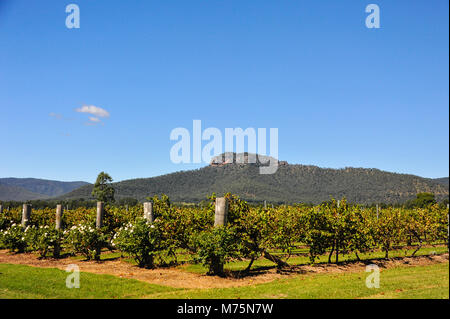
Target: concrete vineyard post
x: 220, y: 219
x: 265, y: 205
x: 58, y: 220
x: 148, y: 211
x: 377, y: 211
x: 26, y: 214
x: 98, y: 225
x: 100, y: 210
x: 221, y: 213
x: 1, y: 209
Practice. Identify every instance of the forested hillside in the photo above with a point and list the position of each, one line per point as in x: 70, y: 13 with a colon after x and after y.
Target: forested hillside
x: 290, y: 184
x: 22, y: 189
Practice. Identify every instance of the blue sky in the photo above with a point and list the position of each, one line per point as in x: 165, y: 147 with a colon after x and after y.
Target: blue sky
x: 339, y: 93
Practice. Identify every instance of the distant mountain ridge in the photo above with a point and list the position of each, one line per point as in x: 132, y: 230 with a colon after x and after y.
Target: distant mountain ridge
x: 443, y: 181
x: 13, y: 193
x: 290, y: 184
x: 22, y: 189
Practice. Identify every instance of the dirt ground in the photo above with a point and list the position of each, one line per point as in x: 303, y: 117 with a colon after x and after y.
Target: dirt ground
x: 175, y: 277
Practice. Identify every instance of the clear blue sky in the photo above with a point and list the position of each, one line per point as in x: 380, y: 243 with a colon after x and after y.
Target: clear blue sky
x: 339, y: 93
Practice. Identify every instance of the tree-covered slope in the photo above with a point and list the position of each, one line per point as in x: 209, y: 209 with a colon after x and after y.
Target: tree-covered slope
x: 443, y: 180
x: 13, y: 193
x: 31, y: 188
x: 291, y: 183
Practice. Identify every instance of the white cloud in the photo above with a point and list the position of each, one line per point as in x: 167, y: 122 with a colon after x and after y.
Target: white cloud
x: 93, y: 121
x: 94, y: 110
x: 56, y: 115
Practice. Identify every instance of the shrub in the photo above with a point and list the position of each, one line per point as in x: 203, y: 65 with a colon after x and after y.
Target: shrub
x: 86, y: 240
x: 5, y: 223
x: 13, y: 238
x: 43, y: 239
x: 389, y: 229
x: 215, y: 247
x: 141, y: 239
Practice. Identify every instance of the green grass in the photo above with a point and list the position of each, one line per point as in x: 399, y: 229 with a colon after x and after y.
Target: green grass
x: 237, y: 265
x: 428, y: 282
x: 185, y: 258
x: 17, y: 281
x: 303, y: 260
x: 24, y: 282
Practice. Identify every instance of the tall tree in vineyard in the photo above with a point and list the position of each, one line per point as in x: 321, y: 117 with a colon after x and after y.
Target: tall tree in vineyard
x: 103, y: 190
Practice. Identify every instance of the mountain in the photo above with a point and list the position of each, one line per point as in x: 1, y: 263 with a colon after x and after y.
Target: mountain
x: 443, y: 181
x: 13, y: 193
x: 291, y: 183
x: 22, y: 189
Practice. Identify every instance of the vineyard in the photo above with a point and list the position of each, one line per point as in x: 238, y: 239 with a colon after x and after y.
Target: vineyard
x: 189, y: 235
